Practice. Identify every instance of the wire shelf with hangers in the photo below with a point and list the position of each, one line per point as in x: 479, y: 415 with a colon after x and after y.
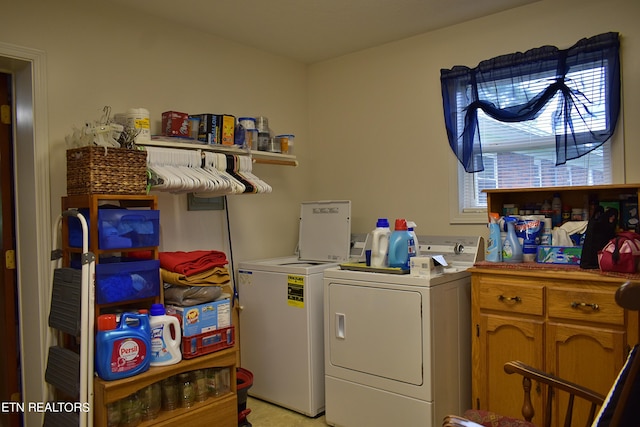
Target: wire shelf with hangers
x: 262, y: 157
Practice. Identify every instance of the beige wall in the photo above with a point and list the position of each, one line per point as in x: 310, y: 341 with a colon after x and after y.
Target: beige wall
x: 369, y: 125
x: 96, y: 56
x: 376, y: 115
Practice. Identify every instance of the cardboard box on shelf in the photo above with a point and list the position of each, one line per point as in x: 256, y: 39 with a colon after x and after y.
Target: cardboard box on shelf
x: 202, y: 318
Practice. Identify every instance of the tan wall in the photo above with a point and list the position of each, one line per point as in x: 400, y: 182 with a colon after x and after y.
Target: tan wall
x: 376, y: 115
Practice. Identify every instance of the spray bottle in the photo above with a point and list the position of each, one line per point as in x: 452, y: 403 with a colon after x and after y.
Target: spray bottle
x: 494, y: 245
x: 411, y: 226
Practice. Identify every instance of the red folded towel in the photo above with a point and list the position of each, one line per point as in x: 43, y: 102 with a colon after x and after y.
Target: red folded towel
x: 193, y: 262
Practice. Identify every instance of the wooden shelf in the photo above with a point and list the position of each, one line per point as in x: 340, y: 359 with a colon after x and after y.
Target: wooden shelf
x: 263, y: 157
x: 222, y: 408
x: 571, y: 196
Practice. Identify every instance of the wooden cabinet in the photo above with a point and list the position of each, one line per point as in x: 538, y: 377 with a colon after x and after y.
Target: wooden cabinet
x: 560, y: 320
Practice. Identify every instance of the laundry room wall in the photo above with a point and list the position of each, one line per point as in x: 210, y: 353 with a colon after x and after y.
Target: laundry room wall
x: 376, y: 115
x: 98, y: 55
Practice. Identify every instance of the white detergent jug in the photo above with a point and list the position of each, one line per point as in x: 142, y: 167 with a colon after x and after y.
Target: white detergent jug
x: 165, y: 350
x: 380, y: 243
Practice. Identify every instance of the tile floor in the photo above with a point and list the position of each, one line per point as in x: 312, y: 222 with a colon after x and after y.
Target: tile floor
x: 264, y: 414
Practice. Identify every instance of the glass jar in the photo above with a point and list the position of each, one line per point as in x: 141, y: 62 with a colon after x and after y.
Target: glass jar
x: 113, y: 414
x: 130, y: 411
x: 223, y: 380
x: 169, y: 388
x: 201, y: 385
x: 187, y: 390
x: 151, y: 401
x: 210, y: 374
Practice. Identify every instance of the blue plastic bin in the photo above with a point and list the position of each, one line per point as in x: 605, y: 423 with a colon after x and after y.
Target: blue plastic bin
x: 120, y: 228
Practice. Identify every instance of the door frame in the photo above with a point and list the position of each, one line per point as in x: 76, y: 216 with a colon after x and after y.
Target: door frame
x: 33, y: 215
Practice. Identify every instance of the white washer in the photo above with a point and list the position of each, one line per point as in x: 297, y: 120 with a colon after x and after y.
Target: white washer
x: 281, y: 316
x: 397, y: 347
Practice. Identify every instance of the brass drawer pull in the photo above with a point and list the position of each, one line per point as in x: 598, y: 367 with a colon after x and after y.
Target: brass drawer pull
x: 593, y: 306
x: 509, y: 299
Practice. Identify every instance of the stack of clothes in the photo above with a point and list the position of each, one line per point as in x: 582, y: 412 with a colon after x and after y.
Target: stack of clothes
x: 194, y: 277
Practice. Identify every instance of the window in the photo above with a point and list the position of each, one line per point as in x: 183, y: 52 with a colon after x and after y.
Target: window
x: 539, y: 119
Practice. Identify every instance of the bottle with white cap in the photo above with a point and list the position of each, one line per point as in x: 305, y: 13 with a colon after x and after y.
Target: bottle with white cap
x: 411, y: 226
x: 380, y: 243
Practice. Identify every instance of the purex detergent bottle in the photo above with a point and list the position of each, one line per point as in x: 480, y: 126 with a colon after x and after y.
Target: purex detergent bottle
x: 401, y: 246
x: 122, y: 350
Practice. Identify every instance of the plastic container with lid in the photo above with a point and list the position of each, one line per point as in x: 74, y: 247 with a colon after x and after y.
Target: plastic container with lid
x: 380, y: 243
x: 401, y: 246
x: 286, y: 143
x: 247, y: 122
x: 165, y: 346
x: 122, y: 350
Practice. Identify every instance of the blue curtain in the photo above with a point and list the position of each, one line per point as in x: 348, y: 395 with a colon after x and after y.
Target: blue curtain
x: 466, y: 90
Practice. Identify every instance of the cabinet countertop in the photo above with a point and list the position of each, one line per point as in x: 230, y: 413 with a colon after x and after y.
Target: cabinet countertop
x: 551, y: 271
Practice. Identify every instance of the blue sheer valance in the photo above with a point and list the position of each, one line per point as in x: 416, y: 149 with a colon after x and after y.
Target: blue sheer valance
x: 517, y: 87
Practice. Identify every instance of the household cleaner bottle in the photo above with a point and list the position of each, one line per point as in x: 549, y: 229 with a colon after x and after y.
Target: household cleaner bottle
x: 401, y: 246
x: 122, y: 350
x: 511, y: 247
x: 556, y: 211
x: 494, y: 244
x: 411, y: 226
x: 165, y: 350
x: 380, y: 243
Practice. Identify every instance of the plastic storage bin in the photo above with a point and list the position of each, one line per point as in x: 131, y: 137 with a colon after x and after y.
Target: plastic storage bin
x: 120, y: 228
x: 125, y: 281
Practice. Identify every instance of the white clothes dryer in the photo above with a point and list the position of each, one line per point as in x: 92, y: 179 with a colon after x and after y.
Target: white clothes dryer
x: 398, y: 347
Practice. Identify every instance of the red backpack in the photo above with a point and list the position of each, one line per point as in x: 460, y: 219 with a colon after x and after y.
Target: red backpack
x: 621, y: 254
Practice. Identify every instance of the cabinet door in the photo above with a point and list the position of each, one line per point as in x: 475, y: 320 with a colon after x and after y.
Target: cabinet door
x: 589, y: 356
x: 500, y: 339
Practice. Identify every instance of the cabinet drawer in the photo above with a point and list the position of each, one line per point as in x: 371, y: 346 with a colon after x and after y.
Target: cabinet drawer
x: 511, y: 297
x: 584, y: 305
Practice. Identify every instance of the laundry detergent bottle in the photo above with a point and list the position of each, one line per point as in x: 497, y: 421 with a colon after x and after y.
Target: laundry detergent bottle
x: 511, y: 247
x: 401, y: 246
x: 380, y: 243
x: 122, y: 350
x: 165, y: 349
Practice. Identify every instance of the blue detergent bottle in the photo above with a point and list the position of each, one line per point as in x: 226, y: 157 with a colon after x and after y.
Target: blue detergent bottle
x: 401, y: 246
x: 122, y: 350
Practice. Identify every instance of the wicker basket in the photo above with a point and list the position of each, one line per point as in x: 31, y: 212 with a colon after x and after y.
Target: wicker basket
x: 100, y: 170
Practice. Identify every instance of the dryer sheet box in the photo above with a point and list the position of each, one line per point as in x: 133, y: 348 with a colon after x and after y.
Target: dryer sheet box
x: 202, y: 318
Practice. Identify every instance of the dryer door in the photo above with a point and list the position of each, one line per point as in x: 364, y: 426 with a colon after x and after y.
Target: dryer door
x: 376, y: 332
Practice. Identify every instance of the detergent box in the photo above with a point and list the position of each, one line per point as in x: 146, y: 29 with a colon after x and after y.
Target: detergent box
x: 559, y: 254
x: 202, y: 318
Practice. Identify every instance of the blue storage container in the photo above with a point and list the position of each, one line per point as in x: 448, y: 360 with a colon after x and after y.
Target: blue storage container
x: 126, y: 281
x: 120, y: 228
